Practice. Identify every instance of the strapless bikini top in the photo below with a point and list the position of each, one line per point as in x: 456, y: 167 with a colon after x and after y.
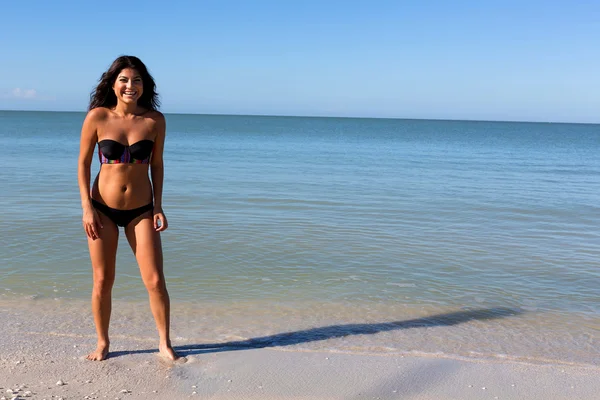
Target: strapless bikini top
x: 112, y: 152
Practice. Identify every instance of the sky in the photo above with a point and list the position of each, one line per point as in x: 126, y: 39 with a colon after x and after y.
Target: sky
x: 478, y: 60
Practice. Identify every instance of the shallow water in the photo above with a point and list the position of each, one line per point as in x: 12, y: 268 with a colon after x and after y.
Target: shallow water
x: 281, y: 224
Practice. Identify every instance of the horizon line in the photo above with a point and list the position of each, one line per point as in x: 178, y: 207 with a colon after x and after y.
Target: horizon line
x: 335, y: 116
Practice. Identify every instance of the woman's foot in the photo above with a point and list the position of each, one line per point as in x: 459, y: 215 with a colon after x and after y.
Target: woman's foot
x: 167, y: 351
x: 99, y: 354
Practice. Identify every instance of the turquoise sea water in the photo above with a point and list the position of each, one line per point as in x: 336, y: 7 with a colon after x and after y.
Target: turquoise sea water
x: 488, y: 229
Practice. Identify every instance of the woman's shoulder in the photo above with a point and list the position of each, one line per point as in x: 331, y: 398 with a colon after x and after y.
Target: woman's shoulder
x: 154, y: 115
x: 156, y: 120
x: 98, y: 114
x: 95, y: 118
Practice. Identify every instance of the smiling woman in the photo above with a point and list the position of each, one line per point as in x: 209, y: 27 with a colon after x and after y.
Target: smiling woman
x: 105, y: 94
x: 130, y: 132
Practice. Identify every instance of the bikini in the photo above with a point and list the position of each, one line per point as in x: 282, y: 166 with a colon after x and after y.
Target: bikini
x: 113, y: 152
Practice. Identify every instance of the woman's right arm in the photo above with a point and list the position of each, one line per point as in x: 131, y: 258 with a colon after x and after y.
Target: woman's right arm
x: 89, y: 137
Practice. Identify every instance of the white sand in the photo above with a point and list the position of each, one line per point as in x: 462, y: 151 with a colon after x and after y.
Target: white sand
x: 35, y: 360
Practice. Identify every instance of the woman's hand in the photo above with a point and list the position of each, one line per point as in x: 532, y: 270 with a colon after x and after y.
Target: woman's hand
x: 159, y: 216
x: 91, y: 223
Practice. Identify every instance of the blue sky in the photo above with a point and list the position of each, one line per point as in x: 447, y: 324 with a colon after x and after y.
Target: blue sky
x: 490, y: 60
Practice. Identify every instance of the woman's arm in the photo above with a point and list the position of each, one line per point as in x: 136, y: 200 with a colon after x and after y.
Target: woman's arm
x: 89, y: 137
x: 157, y: 172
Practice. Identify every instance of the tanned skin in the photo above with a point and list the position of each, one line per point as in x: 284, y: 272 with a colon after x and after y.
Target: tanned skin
x: 125, y: 187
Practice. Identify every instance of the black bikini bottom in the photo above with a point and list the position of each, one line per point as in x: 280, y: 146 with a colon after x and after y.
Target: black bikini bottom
x: 121, y: 217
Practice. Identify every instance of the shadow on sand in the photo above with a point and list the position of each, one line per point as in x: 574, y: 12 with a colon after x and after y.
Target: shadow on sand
x: 338, y: 331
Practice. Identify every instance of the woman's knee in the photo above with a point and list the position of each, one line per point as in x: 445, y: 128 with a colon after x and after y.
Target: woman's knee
x: 103, y: 284
x: 155, y: 284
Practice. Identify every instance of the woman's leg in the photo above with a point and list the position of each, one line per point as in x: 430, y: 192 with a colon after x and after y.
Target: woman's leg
x: 103, y: 254
x: 146, y: 245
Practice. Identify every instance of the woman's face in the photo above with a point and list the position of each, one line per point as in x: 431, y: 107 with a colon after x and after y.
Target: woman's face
x: 128, y: 86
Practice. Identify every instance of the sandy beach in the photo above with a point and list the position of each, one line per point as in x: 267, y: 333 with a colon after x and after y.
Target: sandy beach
x: 275, y: 374
x: 43, y: 352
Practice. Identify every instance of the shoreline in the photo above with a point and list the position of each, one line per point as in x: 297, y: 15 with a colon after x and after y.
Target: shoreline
x: 47, y: 343
x: 135, y: 371
x: 494, y: 334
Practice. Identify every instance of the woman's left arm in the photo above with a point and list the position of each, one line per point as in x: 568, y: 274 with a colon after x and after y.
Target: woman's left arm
x: 157, y: 172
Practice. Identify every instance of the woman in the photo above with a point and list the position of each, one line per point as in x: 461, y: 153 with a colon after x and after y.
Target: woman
x: 130, y: 132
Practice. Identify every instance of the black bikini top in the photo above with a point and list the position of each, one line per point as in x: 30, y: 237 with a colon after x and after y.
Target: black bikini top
x: 112, y: 152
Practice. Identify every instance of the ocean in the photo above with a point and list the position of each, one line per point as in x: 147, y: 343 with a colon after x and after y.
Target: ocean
x: 442, y: 238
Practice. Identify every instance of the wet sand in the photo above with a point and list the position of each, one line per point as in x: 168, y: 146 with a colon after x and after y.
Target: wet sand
x: 42, y: 356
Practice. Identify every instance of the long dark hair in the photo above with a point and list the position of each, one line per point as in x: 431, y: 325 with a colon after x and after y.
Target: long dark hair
x: 104, y: 96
